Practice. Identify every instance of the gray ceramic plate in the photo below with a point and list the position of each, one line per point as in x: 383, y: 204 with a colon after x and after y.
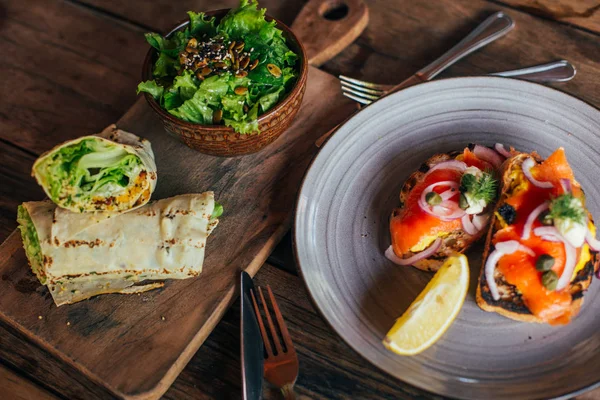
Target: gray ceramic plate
x: 341, y: 232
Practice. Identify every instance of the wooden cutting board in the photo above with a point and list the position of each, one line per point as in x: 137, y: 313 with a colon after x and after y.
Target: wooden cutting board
x: 134, y: 346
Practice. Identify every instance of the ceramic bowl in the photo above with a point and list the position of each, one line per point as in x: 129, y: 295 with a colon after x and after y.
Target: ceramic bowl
x: 220, y: 140
x: 342, y: 230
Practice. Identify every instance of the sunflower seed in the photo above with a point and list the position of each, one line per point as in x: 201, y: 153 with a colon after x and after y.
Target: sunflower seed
x: 217, y: 116
x: 241, y: 90
x: 231, y: 45
x: 274, y: 70
x: 192, y: 43
x: 241, y: 74
x: 244, y: 62
x: 254, y: 64
x: 240, y: 46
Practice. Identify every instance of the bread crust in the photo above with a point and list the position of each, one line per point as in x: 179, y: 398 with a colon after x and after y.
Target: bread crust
x: 511, y: 304
x: 457, y: 241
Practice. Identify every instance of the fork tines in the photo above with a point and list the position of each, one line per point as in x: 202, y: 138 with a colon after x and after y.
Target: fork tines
x: 362, y: 91
x: 287, y: 340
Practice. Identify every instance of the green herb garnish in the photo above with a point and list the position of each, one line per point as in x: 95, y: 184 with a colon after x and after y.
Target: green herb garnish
x: 568, y: 207
x: 482, y: 188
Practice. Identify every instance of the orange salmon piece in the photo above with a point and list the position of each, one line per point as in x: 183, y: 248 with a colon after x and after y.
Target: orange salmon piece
x: 412, y: 224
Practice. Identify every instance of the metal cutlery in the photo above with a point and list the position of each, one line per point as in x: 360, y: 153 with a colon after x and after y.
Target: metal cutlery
x: 365, y: 92
x: 281, y: 363
x: 251, y: 343
x: 494, y: 27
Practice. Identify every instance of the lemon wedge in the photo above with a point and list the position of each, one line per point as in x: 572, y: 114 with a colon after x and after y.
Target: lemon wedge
x: 432, y: 313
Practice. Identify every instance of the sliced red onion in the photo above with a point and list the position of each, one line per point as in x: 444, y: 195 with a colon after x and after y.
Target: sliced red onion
x: 481, y: 220
x: 447, y: 210
x: 570, y: 264
x: 435, y: 246
x: 451, y: 164
x: 550, y: 238
x: 531, y: 219
x: 527, y: 165
x: 501, y: 249
x: 566, y: 185
x: 546, y: 231
x: 487, y: 154
x: 500, y: 149
x: 592, y: 241
x: 448, y: 194
x: 468, y: 225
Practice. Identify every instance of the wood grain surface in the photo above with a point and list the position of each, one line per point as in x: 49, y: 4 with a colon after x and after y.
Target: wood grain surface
x: 78, y: 44
x: 582, y: 13
x: 122, y: 344
x: 326, y: 28
x: 19, y: 388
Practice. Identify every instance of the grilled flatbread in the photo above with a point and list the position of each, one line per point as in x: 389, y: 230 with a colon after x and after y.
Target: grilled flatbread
x: 82, y: 255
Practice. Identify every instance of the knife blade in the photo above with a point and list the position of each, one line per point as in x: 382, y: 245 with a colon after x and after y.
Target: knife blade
x: 251, y: 343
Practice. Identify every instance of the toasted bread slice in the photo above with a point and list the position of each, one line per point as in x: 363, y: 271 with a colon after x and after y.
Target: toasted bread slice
x: 457, y: 241
x: 511, y: 304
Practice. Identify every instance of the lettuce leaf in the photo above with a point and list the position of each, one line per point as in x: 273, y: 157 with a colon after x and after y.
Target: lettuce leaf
x: 217, y: 211
x: 201, y: 25
x: 194, y: 110
x: 31, y: 242
x: 165, y: 66
x: 245, y: 19
x: 85, y: 169
x: 151, y: 87
x: 171, y: 46
x: 193, y: 100
x: 185, y: 85
x: 269, y: 100
x: 248, y: 124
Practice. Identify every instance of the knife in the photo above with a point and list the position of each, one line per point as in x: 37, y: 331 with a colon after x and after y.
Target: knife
x: 494, y: 27
x: 251, y: 343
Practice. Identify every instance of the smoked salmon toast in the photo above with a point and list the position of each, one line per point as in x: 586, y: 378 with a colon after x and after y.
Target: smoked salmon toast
x: 541, y: 250
x: 445, y: 207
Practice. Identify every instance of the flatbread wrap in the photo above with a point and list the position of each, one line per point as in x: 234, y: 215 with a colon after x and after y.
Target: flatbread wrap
x: 113, y: 171
x: 80, y: 255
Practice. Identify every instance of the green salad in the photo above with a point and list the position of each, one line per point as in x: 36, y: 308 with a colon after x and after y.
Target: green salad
x: 31, y: 243
x: 228, y: 72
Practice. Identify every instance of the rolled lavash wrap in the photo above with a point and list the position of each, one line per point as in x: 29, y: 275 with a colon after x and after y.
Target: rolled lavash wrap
x: 113, y: 171
x: 80, y: 255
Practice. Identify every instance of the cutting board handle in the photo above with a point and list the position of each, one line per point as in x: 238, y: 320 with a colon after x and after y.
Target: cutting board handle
x: 326, y: 27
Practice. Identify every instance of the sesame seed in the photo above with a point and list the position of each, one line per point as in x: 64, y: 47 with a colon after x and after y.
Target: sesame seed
x: 163, y: 318
x: 68, y: 323
x: 40, y: 317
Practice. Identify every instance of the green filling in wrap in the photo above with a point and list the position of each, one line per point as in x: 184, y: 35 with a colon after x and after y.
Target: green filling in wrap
x: 91, y: 167
x: 31, y: 242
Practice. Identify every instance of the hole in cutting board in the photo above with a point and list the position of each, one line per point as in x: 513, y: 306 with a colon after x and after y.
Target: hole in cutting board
x: 334, y: 10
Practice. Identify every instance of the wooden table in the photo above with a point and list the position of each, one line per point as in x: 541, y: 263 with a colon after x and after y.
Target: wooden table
x: 70, y: 67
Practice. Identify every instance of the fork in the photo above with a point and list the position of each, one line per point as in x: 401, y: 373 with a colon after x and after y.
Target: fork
x: 281, y: 366
x: 365, y: 92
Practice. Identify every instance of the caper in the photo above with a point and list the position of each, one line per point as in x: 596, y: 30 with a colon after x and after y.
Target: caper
x: 545, y: 218
x: 550, y: 280
x: 462, y: 202
x: 544, y: 262
x: 433, y: 199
